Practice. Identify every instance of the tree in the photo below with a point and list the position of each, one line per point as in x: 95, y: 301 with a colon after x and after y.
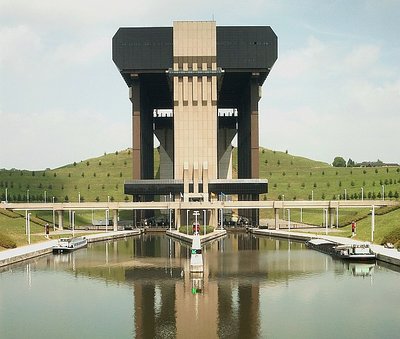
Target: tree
x: 350, y: 163
x: 339, y: 162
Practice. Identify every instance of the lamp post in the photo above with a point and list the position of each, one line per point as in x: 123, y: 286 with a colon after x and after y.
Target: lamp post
x: 45, y: 196
x: 28, y: 227
x: 326, y: 221
x: 204, y: 220
x: 108, y: 198
x: 288, y: 213
x: 372, y: 223
x: 6, y: 195
x: 383, y: 192
x: 312, y: 195
x: 283, y: 200
x: 345, y: 194
x: 54, y: 217
x: 187, y: 221
x: 27, y: 195
x: 362, y: 193
x: 73, y: 223
x: 107, y: 217
x: 79, y: 197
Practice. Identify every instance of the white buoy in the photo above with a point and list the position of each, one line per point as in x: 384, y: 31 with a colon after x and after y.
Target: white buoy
x: 196, y: 257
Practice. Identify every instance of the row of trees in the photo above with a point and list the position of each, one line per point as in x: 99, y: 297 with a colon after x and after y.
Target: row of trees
x: 353, y: 196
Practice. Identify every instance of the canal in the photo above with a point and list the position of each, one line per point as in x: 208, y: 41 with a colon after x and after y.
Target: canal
x: 253, y: 287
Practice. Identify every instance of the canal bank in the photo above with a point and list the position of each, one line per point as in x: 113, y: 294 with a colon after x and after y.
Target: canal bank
x: 188, y: 238
x: 388, y: 255
x: 22, y: 253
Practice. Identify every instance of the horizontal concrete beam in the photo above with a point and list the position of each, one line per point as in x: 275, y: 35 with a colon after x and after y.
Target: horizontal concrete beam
x: 156, y: 205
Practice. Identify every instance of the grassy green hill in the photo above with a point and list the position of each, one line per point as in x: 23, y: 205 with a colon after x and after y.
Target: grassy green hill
x: 290, y: 178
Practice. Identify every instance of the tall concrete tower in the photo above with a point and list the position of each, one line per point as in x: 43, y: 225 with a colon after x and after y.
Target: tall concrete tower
x: 195, y: 86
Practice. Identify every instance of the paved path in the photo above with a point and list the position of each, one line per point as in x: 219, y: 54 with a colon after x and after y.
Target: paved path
x: 14, y: 255
x: 391, y: 256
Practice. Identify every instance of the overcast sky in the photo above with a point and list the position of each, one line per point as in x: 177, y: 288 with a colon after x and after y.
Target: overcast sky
x: 334, y: 90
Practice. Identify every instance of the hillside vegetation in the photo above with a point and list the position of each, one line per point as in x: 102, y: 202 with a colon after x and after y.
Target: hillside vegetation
x: 290, y: 178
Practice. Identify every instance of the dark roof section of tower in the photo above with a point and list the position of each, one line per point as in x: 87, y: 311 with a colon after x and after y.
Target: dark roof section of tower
x: 150, y: 50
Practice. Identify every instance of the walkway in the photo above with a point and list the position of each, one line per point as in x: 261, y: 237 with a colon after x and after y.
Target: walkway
x: 18, y: 254
x: 391, y: 256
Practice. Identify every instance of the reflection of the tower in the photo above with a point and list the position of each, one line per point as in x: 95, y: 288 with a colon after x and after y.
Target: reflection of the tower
x: 235, y: 270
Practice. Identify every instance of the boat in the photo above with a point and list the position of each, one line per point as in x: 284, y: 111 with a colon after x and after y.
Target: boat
x: 65, y: 245
x: 352, y: 252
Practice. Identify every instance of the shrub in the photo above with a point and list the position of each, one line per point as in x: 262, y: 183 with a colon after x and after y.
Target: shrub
x: 6, y: 241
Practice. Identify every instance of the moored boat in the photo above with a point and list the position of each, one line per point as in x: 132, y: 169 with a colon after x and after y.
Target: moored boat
x: 69, y: 244
x: 352, y: 252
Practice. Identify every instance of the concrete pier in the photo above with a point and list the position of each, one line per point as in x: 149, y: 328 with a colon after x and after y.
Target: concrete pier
x: 391, y: 256
x: 188, y: 238
x: 22, y: 253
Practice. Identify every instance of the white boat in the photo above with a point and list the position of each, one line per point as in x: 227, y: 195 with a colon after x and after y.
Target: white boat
x: 351, y: 252
x: 69, y: 244
x: 356, y: 252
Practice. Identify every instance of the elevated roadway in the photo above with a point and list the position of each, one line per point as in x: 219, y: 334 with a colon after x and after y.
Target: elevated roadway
x: 213, y: 206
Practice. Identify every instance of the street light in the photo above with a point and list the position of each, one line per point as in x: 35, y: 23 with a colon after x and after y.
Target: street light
x: 79, y: 197
x: 187, y: 221
x: 27, y: 195
x: 362, y: 193
x: 45, y: 197
x: 326, y: 221
x: 312, y: 195
x: 28, y: 227
x: 6, y: 195
x: 204, y: 220
x: 54, y: 219
x: 372, y: 223
x: 288, y: 213
x: 107, y: 217
x: 345, y: 194
x: 73, y: 223
x: 383, y: 192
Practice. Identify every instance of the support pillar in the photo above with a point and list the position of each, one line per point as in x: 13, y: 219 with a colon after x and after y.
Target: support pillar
x: 177, y: 218
x: 331, y: 212
x: 276, y: 210
x: 115, y: 219
x: 60, y: 219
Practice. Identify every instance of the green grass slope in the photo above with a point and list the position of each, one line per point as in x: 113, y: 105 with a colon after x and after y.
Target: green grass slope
x: 290, y: 177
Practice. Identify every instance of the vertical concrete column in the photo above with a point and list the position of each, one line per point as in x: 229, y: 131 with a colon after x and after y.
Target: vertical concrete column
x: 195, y: 177
x: 136, y: 128
x: 254, y: 143
x: 60, y: 214
x: 214, y: 217
x: 205, y: 180
x: 115, y: 219
x: 276, y: 210
x: 331, y: 212
x: 185, y: 181
x: 177, y: 218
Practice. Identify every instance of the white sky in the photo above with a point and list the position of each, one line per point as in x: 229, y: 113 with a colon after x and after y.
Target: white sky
x: 334, y: 90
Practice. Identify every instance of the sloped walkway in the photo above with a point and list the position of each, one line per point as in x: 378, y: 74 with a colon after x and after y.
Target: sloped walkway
x: 18, y: 254
x: 391, y: 256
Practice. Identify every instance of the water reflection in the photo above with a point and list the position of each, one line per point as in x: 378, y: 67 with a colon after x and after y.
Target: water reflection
x: 228, y: 300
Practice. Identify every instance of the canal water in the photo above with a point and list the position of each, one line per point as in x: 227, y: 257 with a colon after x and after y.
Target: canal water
x: 253, y: 287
